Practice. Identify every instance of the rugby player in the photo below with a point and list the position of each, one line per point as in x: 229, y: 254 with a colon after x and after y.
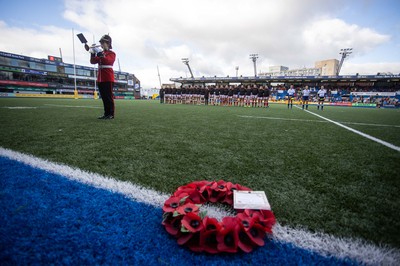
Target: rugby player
x: 242, y: 94
x: 321, y: 98
x: 291, y: 92
x: 248, y: 96
x: 235, y: 96
x: 260, y: 96
x: 254, y: 95
x: 306, y: 95
x: 266, y: 96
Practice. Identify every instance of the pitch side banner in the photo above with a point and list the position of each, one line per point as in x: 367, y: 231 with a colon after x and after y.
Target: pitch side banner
x: 374, y: 93
x: 23, y: 83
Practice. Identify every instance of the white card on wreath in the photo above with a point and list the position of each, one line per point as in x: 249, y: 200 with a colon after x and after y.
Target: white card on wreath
x: 255, y: 200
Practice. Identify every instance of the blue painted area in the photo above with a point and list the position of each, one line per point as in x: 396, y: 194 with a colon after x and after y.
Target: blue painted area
x: 48, y: 219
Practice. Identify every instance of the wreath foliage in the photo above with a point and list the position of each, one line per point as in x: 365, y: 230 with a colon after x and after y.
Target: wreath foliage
x: 183, y: 219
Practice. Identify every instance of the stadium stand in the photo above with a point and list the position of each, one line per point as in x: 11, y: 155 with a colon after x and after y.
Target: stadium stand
x: 33, y: 77
x: 381, y: 90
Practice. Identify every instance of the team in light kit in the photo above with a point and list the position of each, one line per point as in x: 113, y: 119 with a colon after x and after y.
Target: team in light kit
x: 237, y: 95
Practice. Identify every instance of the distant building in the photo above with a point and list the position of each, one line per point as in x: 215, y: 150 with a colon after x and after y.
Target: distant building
x: 304, y: 72
x: 168, y: 85
x: 274, y: 69
x: 328, y: 67
x: 322, y: 68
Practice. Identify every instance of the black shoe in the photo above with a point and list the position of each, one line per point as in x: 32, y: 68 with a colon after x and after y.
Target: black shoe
x: 109, y: 117
x: 102, y: 117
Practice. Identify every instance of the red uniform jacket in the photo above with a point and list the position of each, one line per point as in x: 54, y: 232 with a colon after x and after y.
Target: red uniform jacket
x: 106, y: 62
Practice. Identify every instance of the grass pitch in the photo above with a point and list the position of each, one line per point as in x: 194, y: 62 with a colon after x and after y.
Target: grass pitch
x: 315, y: 174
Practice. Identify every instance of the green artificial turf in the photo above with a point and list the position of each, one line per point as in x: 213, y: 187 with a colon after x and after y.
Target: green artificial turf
x: 316, y: 174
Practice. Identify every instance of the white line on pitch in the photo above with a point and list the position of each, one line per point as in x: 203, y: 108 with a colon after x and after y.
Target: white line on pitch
x: 73, y: 106
x: 281, y: 118
x: 317, y: 121
x: 19, y: 107
x: 387, y: 144
x: 367, y: 124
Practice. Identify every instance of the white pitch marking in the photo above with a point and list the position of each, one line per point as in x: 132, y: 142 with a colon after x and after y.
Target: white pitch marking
x: 317, y: 121
x: 73, y: 106
x: 281, y: 118
x: 19, y: 107
x: 387, y: 144
x: 321, y: 243
x: 367, y: 124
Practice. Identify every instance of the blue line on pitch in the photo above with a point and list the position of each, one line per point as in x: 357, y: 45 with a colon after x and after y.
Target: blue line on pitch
x: 48, y: 219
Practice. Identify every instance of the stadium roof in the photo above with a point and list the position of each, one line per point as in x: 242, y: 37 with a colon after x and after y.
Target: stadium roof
x: 284, y: 79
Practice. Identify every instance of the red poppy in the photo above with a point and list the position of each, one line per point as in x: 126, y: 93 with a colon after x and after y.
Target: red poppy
x: 192, y: 190
x: 171, y: 204
x: 219, y: 186
x: 201, y: 194
x: 205, y: 190
x: 250, y: 213
x: 181, y: 194
x: 228, y: 199
x: 187, y: 208
x: 216, y: 196
x: 228, y: 237
x: 208, y: 237
x: 252, y: 228
x: 218, y: 191
x: 241, y: 188
x: 184, y: 238
x: 184, y: 191
x: 192, y: 222
x: 265, y: 218
x: 196, y: 197
x: 229, y: 192
x: 208, y: 240
x: 245, y: 242
x: 245, y: 221
x: 194, y: 243
x: 200, y: 184
x: 257, y: 234
x: 211, y: 224
x: 173, y: 225
x: 268, y: 220
x: 190, y: 185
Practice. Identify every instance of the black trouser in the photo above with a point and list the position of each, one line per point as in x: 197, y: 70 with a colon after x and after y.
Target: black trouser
x: 107, y: 95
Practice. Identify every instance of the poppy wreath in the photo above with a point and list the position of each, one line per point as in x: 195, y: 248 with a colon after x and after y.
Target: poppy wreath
x: 191, y: 227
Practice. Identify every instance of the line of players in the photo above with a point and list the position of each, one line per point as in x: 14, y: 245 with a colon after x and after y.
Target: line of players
x: 242, y: 96
x: 305, y: 93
